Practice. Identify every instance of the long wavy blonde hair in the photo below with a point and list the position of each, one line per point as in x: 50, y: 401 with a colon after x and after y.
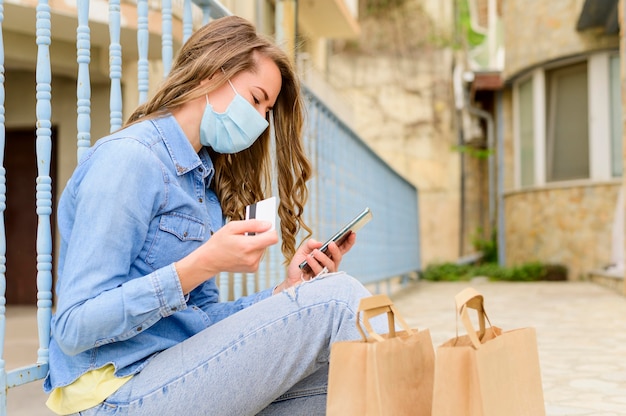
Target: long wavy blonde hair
x: 221, y: 49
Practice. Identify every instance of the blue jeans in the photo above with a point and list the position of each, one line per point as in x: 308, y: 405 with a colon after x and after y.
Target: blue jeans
x: 270, y: 358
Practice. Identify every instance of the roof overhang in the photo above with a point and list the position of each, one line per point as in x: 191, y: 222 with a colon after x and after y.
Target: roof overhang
x: 599, y: 13
x: 488, y: 81
x: 327, y: 19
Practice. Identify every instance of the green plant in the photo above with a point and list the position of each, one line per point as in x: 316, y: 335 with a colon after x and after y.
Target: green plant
x: 473, y: 38
x: 489, y: 247
x: 555, y: 272
x: 490, y: 270
x: 445, y: 272
x: 381, y: 7
x: 473, y: 151
x: 527, y: 272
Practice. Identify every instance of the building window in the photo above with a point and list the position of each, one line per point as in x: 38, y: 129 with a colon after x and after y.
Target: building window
x: 526, y: 136
x: 567, y: 123
x: 615, y: 109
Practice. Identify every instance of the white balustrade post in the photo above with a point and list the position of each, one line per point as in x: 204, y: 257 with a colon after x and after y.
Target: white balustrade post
x: 115, y: 66
x: 167, y: 51
x: 143, y: 82
x: 83, y: 84
x: 44, y: 181
x: 187, y: 20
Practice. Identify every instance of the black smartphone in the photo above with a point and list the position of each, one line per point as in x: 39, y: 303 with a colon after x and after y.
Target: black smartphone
x: 340, y: 236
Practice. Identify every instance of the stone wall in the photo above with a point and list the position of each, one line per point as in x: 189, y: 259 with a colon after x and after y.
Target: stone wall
x: 569, y: 225
x: 402, y: 108
x: 397, y: 80
x: 565, y: 223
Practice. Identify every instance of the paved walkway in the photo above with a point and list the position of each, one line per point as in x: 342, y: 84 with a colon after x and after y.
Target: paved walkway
x: 581, y: 335
x: 581, y: 332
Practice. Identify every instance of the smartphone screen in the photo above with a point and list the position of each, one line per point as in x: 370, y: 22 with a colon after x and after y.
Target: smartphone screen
x: 340, y: 236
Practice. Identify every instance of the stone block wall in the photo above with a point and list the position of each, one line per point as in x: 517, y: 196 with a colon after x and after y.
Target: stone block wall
x: 397, y: 79
x: 403, y: 109
x: 569, y: 225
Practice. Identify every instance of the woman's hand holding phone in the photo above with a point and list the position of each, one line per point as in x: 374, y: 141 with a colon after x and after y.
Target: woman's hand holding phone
x: 318, y: 260
x: 313, y: 257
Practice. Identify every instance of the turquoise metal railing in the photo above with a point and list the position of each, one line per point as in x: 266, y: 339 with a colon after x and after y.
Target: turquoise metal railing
x: 348, y: 175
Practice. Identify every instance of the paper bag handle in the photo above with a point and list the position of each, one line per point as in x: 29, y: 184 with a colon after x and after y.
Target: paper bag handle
x: 372, y: 306
x: 470, y: 298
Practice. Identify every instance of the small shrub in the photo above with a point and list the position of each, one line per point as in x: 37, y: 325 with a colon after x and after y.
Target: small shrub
x: 555, y: 272
x: 488, y: 247
x: 445, y: 272
x: 490, y: 270
x: 527, y: 272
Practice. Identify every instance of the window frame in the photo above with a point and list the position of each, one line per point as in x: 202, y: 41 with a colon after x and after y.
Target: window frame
x: 599, y: 118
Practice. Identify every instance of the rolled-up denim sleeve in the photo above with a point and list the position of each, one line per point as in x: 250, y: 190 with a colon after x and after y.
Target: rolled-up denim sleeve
x: 104, y: 216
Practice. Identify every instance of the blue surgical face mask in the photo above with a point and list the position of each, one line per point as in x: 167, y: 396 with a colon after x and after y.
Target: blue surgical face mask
x: 233, y: 130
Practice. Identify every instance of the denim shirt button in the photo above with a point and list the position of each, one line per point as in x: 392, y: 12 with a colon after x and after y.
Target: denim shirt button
x: 185, y: 234
x: 200, y: 200
x: 139, y: 329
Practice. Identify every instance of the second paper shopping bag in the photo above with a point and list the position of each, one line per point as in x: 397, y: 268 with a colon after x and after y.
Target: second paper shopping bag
x: 488, y: 372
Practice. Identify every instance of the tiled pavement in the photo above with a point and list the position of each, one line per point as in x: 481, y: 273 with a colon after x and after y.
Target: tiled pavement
x: 581, y: 332
x: 581, y: 335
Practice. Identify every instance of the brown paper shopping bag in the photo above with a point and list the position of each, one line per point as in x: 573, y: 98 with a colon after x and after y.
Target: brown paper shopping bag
x: 488, y: 372
x: 382, y: 374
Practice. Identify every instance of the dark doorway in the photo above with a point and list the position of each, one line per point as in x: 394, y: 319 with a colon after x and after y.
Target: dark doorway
x: 20, y: 216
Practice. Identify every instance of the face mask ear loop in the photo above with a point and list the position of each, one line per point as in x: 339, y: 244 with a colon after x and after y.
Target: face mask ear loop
x: 232, y: 86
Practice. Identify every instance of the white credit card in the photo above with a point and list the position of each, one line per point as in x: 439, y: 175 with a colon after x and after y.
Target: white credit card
x: 263, y: 210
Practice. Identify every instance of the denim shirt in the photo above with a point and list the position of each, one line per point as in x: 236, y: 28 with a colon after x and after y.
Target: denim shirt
x: 138, y: 201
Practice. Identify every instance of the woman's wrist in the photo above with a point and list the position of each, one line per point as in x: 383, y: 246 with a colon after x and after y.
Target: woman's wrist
x: 191, y: 272
x: 281, y: 286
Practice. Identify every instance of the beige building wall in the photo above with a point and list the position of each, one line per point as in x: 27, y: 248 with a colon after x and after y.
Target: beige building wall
x: 406, y: 119
x: 402, y: 106
x: 569, y: 222
x: 540, y: 31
